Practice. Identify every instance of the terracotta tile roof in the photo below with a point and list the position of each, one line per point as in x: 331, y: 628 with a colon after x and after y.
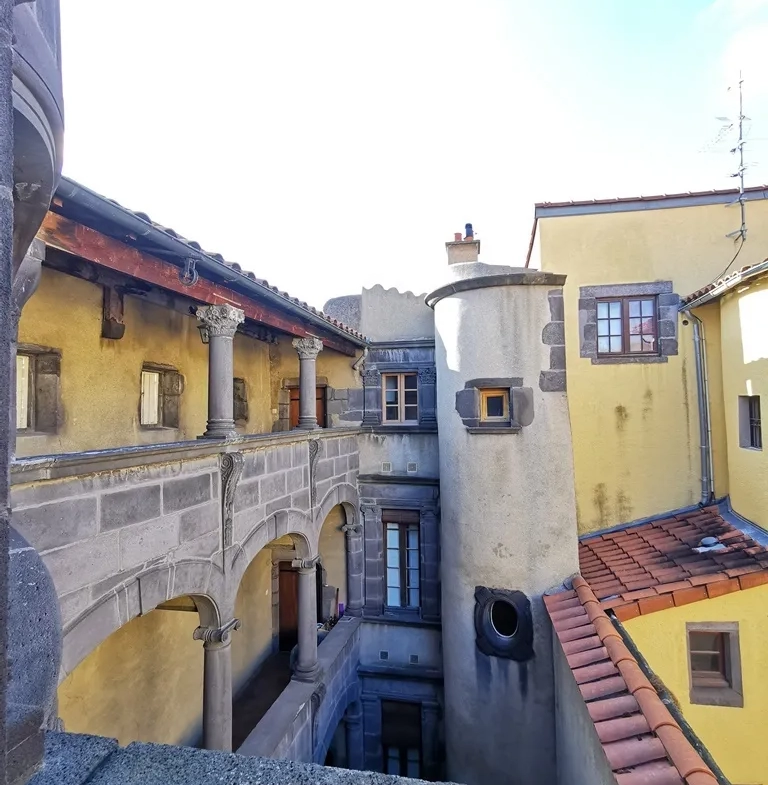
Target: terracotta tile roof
x: 653, y: 566
x: 727, y: 282
x: 643, y: 743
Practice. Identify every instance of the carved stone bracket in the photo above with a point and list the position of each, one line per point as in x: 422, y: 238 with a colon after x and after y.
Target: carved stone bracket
x: 428, y: 375
x: 221, y: 634
x: 220, y: 320
x: 307, y: 348
x: 314, y: 449
x: 305, y: 565
x: 231, y: 468
x: 352, y: 528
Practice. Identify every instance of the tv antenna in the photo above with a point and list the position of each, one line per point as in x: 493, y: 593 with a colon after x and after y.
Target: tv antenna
x: 741, y: 232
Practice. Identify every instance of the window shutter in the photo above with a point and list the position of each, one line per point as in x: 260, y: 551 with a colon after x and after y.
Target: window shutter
x: 240, y: 400
x: 172, y: 386
x: 22, y: 391
x: 47, y: 378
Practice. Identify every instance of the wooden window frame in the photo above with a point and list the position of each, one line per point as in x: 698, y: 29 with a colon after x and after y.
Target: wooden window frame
x: 401, y: 405
x: 624, y: 302
x: 485, y: 394
x: 169, y: 416
x: 30, y: 426
x: 404, y: 522
x: 44, y: 391
x: 402, y: 734
x: 724, y: 686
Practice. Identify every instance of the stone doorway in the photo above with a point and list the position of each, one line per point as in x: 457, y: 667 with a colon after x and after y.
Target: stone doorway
x: 288, y: 607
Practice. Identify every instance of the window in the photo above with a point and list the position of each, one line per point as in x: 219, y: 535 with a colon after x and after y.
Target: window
x: 401, y: 397
x: 402, y: 533
x: 161, y: 389
x: 240, y: 402
x: 627, y: 326
x: 401, y: 738
x: 494, y: 405
x: 750, y: 428
x: 23, y: 384
x: 714, y: 663
x: 37, y: 389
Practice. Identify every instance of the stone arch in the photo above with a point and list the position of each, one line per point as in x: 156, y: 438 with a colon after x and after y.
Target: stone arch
x: 199, y: 579
x: 344, y: 494
x: 294, y: 523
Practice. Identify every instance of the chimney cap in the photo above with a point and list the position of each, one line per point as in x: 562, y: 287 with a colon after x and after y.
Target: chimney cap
x: 468, y: 231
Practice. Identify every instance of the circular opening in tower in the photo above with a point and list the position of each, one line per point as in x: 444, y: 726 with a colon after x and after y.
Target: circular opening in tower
x: 504, y: 618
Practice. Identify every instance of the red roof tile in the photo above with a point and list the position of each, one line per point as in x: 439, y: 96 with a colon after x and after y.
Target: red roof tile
x: 642, y: 741
x: 654, y: 566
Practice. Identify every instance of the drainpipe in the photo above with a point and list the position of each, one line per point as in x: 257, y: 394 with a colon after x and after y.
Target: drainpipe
x: 359, y: 361
x: 705, y: 424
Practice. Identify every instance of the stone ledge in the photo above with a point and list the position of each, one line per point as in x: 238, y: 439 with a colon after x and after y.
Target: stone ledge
x: 90, y: 760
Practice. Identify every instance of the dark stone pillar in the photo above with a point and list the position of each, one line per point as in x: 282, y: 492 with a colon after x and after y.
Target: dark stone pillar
x: 308, y: 349
x: 355, y: 567
x: 372, y: 397
x: 6, y: 336
x: 355, y: 737
x: 430, y: 740
x: 372, y: 749
x: 374, y: 560
x: 427, y: 396
x: 430, y: 565
x: 306, y: 664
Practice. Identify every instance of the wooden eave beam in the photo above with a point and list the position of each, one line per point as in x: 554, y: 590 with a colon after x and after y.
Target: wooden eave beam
x: 78, y: 240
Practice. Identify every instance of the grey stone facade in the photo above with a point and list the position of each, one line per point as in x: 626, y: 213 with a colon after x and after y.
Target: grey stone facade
x: 667, y: 317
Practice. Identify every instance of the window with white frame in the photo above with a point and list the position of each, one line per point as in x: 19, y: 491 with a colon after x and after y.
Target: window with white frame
x: 401, y: 397
x: 402, y: 554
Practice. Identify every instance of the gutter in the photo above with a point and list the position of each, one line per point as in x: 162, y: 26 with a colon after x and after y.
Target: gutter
x: 729, y: 283
x: 110, y: 211
x: 705, y: 422
x: 669, y: 702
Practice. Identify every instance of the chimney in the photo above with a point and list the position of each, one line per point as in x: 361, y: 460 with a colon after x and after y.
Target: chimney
x: 463, y: 251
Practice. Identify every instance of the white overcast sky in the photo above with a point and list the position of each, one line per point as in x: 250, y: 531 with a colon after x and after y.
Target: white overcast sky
x: 329, y: 145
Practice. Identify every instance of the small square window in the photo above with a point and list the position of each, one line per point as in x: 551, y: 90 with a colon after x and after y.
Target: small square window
x: 23, y: 384
x: 627, y: 325
x: 38, y: 371
x: 494, y: 405
x: 714, y: 664
x: 161, y: 389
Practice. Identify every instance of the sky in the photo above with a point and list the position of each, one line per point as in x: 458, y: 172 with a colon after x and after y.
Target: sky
x: 332, y: 145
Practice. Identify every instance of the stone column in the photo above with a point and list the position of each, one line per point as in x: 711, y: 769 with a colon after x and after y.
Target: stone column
x: 430, y: 564
x: 373, y: 534
x: 427, y: 396
x: 430, y: 726
x: 371, y: 397
x: 308, y: 349
x: 306, y: 665
x: 217, y: 685
x: 220, y: 324
x: 355, y: 567
x: 355, y: 739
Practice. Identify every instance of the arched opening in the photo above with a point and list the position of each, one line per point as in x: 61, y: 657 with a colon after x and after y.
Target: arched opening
x: 142, y: 683
x: 267, y: 605
x: 332, y: 582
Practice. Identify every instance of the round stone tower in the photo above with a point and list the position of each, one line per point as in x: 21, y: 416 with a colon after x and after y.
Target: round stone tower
x: 508, y: 513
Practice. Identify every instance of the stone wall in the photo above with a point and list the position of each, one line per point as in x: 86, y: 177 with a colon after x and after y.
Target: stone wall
x: 122, y: 531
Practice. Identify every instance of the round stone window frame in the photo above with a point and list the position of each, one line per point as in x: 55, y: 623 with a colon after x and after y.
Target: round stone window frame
x: 517, y: 646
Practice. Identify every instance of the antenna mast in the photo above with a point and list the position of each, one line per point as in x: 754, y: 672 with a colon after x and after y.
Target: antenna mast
x: 742, y: 230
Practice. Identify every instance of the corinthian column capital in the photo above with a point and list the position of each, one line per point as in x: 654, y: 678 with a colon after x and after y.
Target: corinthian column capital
x: 220, y: 320
x: 307, y: 348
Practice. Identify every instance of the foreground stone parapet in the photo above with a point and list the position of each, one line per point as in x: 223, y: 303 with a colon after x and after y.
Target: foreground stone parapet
x: 72, y: 759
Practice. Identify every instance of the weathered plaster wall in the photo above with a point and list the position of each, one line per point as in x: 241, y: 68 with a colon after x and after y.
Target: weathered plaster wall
x: 635, y: 427
x: 744, y: 331
x: 400, y: 643
x: 143, y: 683
x: 399, y: 449
x: 252, y: 643
x: 333, y: 552
x: 508, y: 521
x: 734, y: 736
x: 391, y: 315
x: 710, y: 317
x: 65, y: 314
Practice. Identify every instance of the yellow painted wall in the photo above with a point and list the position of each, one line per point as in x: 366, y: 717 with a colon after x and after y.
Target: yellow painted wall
x: 635, y: 427
x: 144, y: 683
x: 252, y: 643
x: 100, y: 378
x: 734, y: 736
x: 333, y: 551
x: 744, y: 330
